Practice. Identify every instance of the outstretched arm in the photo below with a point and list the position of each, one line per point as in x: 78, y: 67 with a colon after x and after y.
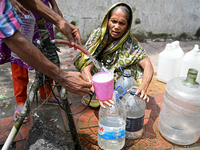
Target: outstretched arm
x: 147, y: 76
x: 18, y: 7
x: 55, y: 7
x: 69, y: 30
x: 74, y: 82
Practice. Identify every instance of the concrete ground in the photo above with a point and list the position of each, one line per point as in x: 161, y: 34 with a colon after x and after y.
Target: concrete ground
x: 87, y: 121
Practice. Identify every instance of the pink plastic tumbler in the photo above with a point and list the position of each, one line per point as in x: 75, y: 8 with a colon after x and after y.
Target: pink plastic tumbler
x: 103, y: 85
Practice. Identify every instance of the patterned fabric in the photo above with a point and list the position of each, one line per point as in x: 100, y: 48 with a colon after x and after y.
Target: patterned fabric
x: 9, y: 21
x: 9, y: 24
x: 125, y: 52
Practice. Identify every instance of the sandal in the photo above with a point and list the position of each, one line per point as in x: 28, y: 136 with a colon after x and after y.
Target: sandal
x: 19, y: 110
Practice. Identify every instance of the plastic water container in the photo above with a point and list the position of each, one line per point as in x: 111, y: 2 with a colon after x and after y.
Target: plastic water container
x: 112, y: 121
x: 126, y: 81
x: 135, y: 111
x: 191, y: 60
x: 179, y: 120
x: 27, y: 28
x: 169, y: 62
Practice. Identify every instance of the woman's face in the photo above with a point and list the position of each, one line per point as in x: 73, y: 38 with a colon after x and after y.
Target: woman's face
x: 117, y: 24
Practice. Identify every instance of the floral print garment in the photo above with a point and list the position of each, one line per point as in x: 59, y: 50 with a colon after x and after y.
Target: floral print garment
x: 125, y: 52
x: 126, y: 56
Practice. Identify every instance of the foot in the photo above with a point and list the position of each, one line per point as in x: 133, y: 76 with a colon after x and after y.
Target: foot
x: 18, y: 109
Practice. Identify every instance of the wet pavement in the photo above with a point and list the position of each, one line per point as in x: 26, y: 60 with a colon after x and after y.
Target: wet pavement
x: 87, y: 121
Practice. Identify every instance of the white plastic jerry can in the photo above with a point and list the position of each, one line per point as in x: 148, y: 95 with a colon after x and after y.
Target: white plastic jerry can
x: 191, y: 60
x: 169, y: 62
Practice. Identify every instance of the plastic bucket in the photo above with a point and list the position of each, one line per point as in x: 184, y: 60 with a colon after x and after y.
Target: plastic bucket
x: 103, y: 85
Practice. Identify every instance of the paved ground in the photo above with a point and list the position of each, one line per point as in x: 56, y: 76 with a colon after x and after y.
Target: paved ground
x: 87, y: 121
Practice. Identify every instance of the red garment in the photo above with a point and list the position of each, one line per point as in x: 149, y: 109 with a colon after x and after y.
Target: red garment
x: 45, y: 93
x: 20, y: 82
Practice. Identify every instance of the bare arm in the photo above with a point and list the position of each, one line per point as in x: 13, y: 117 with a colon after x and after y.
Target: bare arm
x: 69, y: 30
x: 18, y: 7
x: 55, y: 7
x: 147, y: 76
x: 74, y: 82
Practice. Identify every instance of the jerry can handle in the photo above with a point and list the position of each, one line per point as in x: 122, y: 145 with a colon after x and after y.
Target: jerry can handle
x: 120, y: 94
x: 133, y: 93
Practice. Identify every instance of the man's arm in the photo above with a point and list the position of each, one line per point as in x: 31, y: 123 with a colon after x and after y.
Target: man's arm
x: 69, y: 30
x: 74, y: 82
x: 55, y: 7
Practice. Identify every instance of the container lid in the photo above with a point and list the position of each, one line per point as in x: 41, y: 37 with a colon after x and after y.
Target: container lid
x: 191, y: 78
x: 196, y: 48
x: 127, y: 73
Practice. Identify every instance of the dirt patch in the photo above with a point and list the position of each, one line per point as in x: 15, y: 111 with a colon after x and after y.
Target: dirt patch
x: 46, y: 134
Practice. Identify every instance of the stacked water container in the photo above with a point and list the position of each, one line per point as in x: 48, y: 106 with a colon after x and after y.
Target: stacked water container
x: 179, y: 118
x: 191, y: 60
x: 169, y: 62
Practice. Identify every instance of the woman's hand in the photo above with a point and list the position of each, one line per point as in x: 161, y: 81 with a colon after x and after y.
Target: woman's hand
x: 108, y: 103
x: 142, y: 91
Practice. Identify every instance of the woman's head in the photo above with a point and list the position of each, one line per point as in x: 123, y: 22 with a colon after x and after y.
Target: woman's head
x: 119, y: 20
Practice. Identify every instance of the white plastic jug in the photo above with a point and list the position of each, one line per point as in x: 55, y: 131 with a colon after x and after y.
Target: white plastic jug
x: 191, y: 60
x: 169, y: 62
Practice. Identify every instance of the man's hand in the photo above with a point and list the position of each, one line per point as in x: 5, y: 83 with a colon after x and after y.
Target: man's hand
x: 70, y: 31
x: 77, y: 83
x: 57, y: 10
x: 18, y: 7
x: 87, y: 73
x: 66, y: 28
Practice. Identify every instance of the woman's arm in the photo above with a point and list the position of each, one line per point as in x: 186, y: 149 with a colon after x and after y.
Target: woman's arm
x: 147, y: 77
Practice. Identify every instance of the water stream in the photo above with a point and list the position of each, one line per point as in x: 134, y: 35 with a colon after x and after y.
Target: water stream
x: 95, y: 62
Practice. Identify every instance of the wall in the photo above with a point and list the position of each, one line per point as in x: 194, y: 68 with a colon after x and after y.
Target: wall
x: 157, y: 16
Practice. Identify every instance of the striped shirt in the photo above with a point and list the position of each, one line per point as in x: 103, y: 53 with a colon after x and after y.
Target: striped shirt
x: 9, y: 21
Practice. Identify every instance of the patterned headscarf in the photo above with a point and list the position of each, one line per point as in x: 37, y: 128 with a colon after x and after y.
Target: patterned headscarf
x: 125, y: 51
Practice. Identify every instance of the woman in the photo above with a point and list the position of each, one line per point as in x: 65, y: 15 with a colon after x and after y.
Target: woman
x: 113, y: 46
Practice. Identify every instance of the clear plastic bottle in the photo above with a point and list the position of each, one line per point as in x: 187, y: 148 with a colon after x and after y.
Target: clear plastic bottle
x: 111, y: 132
x: 179, y: 119
x: 126, y: 81
x: 135, y: 111
x: 27, y: 28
